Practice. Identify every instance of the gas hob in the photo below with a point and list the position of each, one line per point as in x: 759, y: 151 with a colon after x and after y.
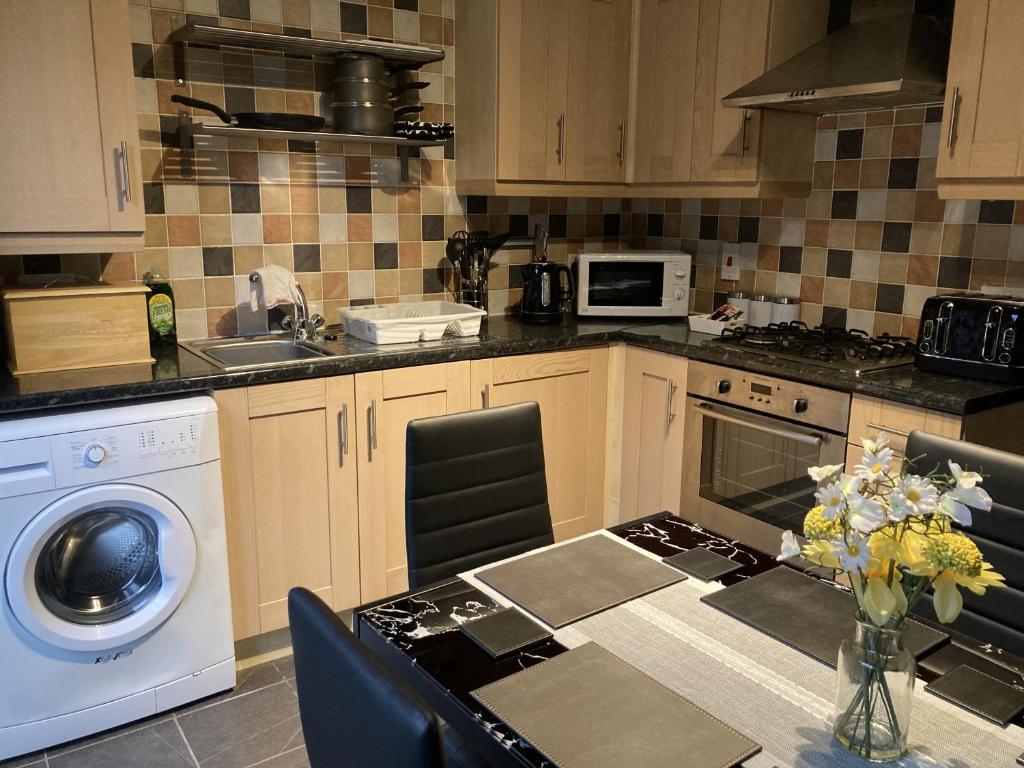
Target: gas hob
x: 851, y: 351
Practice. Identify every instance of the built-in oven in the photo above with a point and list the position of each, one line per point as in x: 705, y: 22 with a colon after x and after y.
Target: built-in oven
x: 750, y: 440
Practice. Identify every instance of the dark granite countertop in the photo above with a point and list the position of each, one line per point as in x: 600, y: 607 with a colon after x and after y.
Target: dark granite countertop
x: 178, y: 371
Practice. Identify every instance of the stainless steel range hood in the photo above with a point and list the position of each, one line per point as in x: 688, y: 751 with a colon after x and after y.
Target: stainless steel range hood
x: 886, y: 61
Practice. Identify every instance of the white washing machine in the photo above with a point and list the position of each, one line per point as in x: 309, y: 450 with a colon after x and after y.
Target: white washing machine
x: 115, y: 585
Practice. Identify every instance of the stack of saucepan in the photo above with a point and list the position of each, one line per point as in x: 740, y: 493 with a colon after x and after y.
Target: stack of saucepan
x: 366, y: 99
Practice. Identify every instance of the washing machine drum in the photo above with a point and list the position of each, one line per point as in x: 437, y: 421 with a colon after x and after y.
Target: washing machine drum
x: 101, y: 567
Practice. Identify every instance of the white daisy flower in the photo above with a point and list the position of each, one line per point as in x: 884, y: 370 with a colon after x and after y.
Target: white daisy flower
x: 914, y: 495
x: 976, y: 497
x: 851, y: 485
x: 831, y: 498
x: 790, y: 546
x: 853, y: 552
x: 825, y: 472
x: 874, y: 465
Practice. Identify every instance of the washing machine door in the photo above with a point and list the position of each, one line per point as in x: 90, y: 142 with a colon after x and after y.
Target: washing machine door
x: 100, y: 567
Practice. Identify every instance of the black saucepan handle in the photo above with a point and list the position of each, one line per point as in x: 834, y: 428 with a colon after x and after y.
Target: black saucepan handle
x: 410, y: 110
x: 188, y: 101
x: 416, y: 85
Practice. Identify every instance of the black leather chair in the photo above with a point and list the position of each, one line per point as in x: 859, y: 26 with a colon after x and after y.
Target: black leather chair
x: 475, y: 490
x: 354, y: 713
x: 998, y: 616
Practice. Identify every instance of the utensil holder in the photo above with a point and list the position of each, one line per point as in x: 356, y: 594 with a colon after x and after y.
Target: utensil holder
x: 472, y: 291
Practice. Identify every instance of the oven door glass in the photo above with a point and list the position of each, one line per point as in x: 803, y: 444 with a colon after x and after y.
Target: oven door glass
x: 757, y: 465
x: 626, y: 283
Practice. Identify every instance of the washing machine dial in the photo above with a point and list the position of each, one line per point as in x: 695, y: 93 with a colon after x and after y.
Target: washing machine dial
x: 94, y: 455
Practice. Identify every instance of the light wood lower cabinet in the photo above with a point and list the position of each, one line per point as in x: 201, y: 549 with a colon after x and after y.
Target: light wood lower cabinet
x: 290, y: 497
x: 386, y: 401
x: 654, y: 396
x: 572, y: 390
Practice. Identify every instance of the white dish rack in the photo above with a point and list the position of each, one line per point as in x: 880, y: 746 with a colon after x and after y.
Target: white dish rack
x: 414, y: 321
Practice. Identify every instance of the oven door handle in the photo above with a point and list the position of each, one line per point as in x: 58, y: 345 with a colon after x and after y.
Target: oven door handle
x: 807, y: 438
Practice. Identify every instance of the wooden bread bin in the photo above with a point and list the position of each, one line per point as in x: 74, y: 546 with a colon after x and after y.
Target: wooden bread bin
x: 81, y: 326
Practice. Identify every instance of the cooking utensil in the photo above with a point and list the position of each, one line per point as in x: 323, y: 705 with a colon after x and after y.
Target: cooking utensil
x: 424, y: 130
x: 281, y: 121
x: 368, y: 118
x: 361, y: 89
x: 415, y: 85
x: 361, y: 66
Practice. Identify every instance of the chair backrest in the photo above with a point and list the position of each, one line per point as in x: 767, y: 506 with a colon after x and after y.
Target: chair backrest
x: 475, y: 490
x: 354, y: 713
x: 998, y: 616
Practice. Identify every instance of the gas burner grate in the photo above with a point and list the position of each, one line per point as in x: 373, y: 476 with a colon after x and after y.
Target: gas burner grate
x: 850, y: 349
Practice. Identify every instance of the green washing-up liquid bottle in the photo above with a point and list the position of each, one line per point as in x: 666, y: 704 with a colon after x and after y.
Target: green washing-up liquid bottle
x: 160, y: 305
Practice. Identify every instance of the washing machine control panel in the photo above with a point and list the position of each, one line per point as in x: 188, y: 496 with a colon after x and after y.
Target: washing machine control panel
x: 126, y: 450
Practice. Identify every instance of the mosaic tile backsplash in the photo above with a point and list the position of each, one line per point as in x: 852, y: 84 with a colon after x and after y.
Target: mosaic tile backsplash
x: 865, y: 249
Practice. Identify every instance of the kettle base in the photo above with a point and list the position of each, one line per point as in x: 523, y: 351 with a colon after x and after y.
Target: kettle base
x: 541, y: 318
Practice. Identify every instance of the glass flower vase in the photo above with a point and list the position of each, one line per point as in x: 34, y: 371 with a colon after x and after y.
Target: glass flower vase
x: 874, y: 693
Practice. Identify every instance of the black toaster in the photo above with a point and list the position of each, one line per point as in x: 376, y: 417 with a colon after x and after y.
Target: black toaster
x: 973, y: 335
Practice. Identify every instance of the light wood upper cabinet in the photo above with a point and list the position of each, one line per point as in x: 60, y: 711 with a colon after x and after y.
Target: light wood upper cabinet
x: 533, y: 64
x: 731, y: 51
x: 598, y: 97
x: 652, y: 434
x: 289, y: 467
x: 666, y: 51
x: 982, y: 140
x: 68, y: 129
x: 386, y: 401
x: 572, y: 390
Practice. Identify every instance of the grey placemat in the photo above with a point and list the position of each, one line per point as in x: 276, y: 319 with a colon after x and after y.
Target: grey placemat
x: 587, y: 707
x: 504, y: 632
x: 567, y: 583
x: 806, y: 613
x: 702, y: 563
x: 979, y: 693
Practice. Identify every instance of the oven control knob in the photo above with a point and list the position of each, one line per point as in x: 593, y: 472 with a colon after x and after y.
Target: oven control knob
x: 800, y: 405
x: 94, y: 455
x: 724, y: 385
x: 677, y: 294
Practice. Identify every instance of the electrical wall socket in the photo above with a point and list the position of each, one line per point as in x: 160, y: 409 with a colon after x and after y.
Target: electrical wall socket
x: 731, y: 261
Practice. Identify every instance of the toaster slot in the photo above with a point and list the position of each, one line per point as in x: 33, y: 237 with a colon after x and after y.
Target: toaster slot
x: 990, y: 341
x: 942, y: 327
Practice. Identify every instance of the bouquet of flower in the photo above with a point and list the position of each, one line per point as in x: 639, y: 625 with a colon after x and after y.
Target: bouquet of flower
x: 891, y: 532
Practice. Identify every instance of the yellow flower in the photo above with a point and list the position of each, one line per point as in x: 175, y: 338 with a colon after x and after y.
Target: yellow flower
x: 817, y: 526
x: 882, y: 601
x: 952, y: 560
x: 820, y: 552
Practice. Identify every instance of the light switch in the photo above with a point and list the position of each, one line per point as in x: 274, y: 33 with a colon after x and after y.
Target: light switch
x: 730, y: 261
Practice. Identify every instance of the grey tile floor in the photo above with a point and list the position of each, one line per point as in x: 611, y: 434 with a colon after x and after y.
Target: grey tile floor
x: 256, y: 724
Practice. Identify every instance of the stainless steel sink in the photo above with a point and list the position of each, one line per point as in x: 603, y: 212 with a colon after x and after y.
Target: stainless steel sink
x: 260, y: 352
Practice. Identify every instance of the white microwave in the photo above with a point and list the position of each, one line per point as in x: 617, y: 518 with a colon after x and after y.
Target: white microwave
x: 633, y: 284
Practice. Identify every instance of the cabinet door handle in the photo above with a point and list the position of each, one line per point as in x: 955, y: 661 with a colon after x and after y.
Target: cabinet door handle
x: 126, y: 177
x: 622, y: 142
x: 670, y: 393
x: 485, y: 396
x: 371, y: 429
x: 954, y: 104
x: 743, y: 133
x: 560, y: 149
x: 342, y: 434
x: 888, y: 430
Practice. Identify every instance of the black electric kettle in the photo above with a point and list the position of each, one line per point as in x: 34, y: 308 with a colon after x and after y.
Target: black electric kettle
x: 544, y: 299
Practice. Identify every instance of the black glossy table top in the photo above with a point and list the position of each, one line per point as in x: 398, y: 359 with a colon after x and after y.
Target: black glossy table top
x: 418, y: 635
x: 178, y: 371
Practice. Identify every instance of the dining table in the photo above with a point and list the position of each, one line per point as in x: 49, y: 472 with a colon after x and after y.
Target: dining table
x: 755, y: 684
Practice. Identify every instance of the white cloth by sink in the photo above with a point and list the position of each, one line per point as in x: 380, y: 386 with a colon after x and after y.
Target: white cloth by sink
x: 276, y: 285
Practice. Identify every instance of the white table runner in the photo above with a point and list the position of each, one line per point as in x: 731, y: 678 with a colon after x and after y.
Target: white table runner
x: 774, y: 694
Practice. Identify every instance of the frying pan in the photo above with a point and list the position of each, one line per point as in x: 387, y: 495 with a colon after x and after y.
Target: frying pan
x: 275, y: 120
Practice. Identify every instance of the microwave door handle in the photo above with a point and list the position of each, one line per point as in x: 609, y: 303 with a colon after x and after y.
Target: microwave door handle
x: 805, y: 438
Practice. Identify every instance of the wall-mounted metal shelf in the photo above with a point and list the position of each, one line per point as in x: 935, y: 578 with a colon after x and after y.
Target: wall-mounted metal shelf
x: 188, y: 129
x: 398, y: 53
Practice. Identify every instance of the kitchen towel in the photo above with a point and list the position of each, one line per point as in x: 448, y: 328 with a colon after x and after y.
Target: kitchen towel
x: 275, y: 285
